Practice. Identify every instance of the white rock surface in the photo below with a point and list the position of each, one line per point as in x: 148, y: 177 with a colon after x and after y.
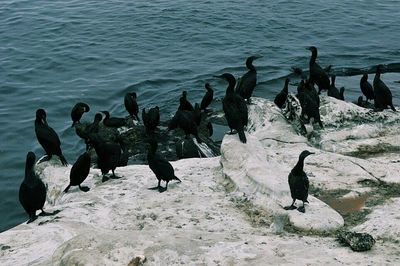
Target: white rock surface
x: 210, y: 219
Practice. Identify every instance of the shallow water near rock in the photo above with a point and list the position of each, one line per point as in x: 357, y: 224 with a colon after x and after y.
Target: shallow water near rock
x: 57, y: 53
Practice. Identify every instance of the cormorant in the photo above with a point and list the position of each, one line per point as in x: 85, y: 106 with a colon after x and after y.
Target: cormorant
x: 113, y: 121
x: 84, y: 132
x: 383, y: 95
x: 234, y: 107
x: 160, y: 167
x: 298, y: 183
x: 317, y: 74
x: 32, y: 192
x: 280, y: 99
x: 79, y: 172
x: 184, y: 104
x: 108, y: 156
x: 208, y: 97
x: 131, y: 105
x: 309, y: 101
x: 248, y: 81
x: 333, y: 91
x: 366, y: 88
x: 47, y: 137
x: 77, y: 111
x: 186, y: 121
x: 151, y: 119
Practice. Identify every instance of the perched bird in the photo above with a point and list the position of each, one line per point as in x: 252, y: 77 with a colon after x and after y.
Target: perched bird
x: 184, y: 104
x: 383, y: 95
x: 208, y: 97
x: 77, y: 111
x: 317, y: 74
x: 108, y: 156
x: 298, y: 183
x: 151, y: 119
x: 113, y: 121
x: 309, y: 102
x: 366, y: 88
x: 131, y: 105
x: 47, y: 137
x: 280, y: 99
x: 32, y: 192
x: 85, y: 132
x: 160, y: 167
x: 333, y: 91
x: 79, y: 172
x: 186, y: 121
x: 248, y: 81
x: 234, y: 107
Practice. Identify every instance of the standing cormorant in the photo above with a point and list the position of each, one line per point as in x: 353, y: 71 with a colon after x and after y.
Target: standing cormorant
x: 366, y: 88
x: 151, y: 119
x: 32, y: 192
x: 113, y: 121
x: 280, y: 99
x: 383, y: 95
x: 47, y: 137
x: 79, y: 172
x: 298, y: 183
x: 77, y: 111
x: 234, y: 107
x: 85, y: 132
x: 208, y: 97
x: 317, y: 74
x: 160, y: 167
x: 333, y: 91
x: 186, y: 121
x: 184, y: 104
x: 309, y: 101
x: 131, y: 105
x: 248, y: 81
x: 108, y: 156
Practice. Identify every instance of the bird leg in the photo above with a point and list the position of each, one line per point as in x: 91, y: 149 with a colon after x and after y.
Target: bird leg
x: 157, y: 187
x: 162, y: 189
x: 105, y: 178
x: 83, y: 188
x: 32, y: 217
x: 291, y: 207
x: 302, y: 208
x: 114, y: 176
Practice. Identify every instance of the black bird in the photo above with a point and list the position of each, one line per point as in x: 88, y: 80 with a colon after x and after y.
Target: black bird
x: 151, y: 119
x: 333, y: 91
x: 341, y: 93
x: 32, y: 192
x: 208, y: 97
x: 113, y: 121
x: 383, y: 95
x: 184, y: 104
x: 280, y: 99
x: 131, y: 105
x: 77, y: 111
x: 108, y: 156
x: 366, y: 88
x: 186, y: 121
x: 248, y: 81
x: 47, y: 137
x: 298, y: 183
x: 317, y: 74
x: 85, y: 132
x: 309, y: 102
x: 79, y: 172
x: 160, y: 167
x: 234, y: 107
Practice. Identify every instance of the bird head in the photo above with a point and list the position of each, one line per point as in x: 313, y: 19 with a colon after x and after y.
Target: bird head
x: 41, y: 115
x: 106, y: 113
x: 30, y: 159
x: 304, y: 154
x: 98, y: 117
x: 312, y: 49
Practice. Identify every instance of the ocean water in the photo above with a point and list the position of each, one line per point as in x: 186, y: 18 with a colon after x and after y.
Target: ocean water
x: 56, y: 53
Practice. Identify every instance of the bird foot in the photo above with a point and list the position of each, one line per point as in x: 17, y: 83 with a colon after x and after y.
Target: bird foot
x: 31, y: 219
x: 43, y: 213
x: 104, y: 179
x: 154, y: 188
x: 232, y: 132
x: 162, y: 189
x: 115, y: 177
x: 301, y: 209
x: 291, y: 207
x: 84, y: 189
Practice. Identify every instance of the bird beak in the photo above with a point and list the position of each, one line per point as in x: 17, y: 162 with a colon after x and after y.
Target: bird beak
x: 308, y: 48
x: 216, y: 76
x: 312, y: 152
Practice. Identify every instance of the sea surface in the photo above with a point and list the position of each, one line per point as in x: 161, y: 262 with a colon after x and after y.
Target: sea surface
x: 56, y: 53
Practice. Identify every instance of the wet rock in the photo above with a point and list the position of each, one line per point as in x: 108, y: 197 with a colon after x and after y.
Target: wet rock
x: 357, y: 241
x: 139, y: 260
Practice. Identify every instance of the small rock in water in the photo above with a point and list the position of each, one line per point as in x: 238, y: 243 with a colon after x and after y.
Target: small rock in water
x: 356, y: 241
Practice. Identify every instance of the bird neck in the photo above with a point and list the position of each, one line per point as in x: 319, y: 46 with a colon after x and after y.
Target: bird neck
x: 29, y: 173
x: 250, y: 66
x: 313, y: 58
x: 231, y: 87
x: 286, y: 87
x: 299, y: 166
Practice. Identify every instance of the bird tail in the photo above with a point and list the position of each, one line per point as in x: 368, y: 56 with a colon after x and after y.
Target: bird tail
x: 242, y: 136
x: 67, y: 188
x: 63, y: 160
x: 175, y: 178
x: 391, y: 106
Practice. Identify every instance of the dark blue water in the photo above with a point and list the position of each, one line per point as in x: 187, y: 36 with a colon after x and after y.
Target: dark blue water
x: 56, y: 53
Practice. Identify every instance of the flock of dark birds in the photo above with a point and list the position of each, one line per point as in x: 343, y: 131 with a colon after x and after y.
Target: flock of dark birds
x: 238, y: 95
